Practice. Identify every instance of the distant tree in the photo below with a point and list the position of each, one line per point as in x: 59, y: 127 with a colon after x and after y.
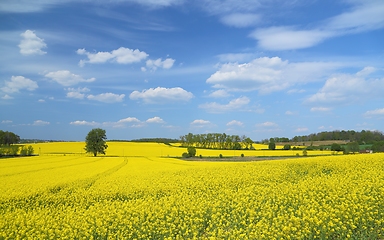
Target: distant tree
x: 287, y: 147
x: 336, y: 147
x: 95, y: 141
x: 8, y: 138
x: 30, y: 150
x: 191, y: 151
x: 272, y: 144
x: 378, y: 146
x: 352, y: 147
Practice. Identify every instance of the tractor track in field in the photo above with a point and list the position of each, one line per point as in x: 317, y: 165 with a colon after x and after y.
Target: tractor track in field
x: 50, y: 168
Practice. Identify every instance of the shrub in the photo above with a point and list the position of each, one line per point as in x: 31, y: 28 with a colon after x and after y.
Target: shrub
x: 305, y: 153
x: 185, y: 155
x: 30, y: 150
x: 221, y: 155
x: 23, y: 151
x: 191, y: 151
x: 287, y: 147
x: 242, y: 155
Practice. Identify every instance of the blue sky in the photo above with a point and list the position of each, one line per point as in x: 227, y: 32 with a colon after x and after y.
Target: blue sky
x: 164, y: 68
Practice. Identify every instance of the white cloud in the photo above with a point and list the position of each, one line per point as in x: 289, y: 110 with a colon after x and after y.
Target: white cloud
x: 107, y: 97
x: 286, y: 38
x: 24, y: 6
x: 267, y: 124
x: 66, y: 78
x: 7, y: 121
x: 18, y: 83
x: 40, y: 123
x: 154, y: 64
x: 268, y: 74
x: 31, y: 44
x: 235, y: 123
x: 155, y: 120
x: 289, y: 113
x: 219, y: 94
x: 84, y: 123
x: 375, y: 112
x: 320, y: 109
x: 347, y: 88
x: 129, y: 120
x: 235, y: 57
x: 241, y: 19
x: 200, y: 122
x: 302, y: 129
x: 365, y: 16
x: 122, y: 56
x: 233, y: 105
x: 6, y: 97
x: 77, y: 93
x: 161, y: 95
x: 41, y: 100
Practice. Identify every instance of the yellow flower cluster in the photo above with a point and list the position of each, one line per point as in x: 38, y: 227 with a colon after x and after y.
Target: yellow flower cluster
x: 132, y: 193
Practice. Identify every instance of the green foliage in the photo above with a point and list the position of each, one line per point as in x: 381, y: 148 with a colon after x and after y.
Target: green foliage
x: 23, y: 151
x: 272, y: 146
x: 191, y: 151
x: 185, y: 155
x: 221, y: 155
x: 287, y: 147
x: 242, y: 155
x: 30, y: 150
x: 352, y: 147
x: 8, y: 138
x: 216, y: 141
x: 95, y: 141
x: 378, y: 146
x: 12, y: 150
x: 336, y: 147
x: 305, y: 152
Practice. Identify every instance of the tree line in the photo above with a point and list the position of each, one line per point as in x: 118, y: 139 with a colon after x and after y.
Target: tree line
x: 216, y: 141
x: 7, y: 147
x: 362, y: 137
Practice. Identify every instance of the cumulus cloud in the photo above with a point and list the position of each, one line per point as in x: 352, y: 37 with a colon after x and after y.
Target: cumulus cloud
x: 267, y: 124
x: 268, y: 74
x: 320, y: 109
x: 233, y: 105
x: 6, y: 97
x: 200, y: 122
x: 347, y: 88
x: 18, y: 83
x: 159, y: 63
x: 107, y: 97
x: 129, y: 120
x: 122, y: 56
x: 31, y: 44
x: 7, y: 121
x: 40, y: 123
x: 241, y: 19
x: 162, y: 95
x: 77, y: 93
x: 221, y: 93
x: 235, y: 123
x: 376, y: 112
x: 155, y: 120
x: 301, y: 129
x: 84, y: 123
x: 66, y: 78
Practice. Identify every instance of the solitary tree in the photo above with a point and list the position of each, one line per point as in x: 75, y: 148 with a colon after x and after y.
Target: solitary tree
x: 95, y: 141
x: 272, y: 144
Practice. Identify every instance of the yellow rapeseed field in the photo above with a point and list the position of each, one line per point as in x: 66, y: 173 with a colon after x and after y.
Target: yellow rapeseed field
x: 137, y: 191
